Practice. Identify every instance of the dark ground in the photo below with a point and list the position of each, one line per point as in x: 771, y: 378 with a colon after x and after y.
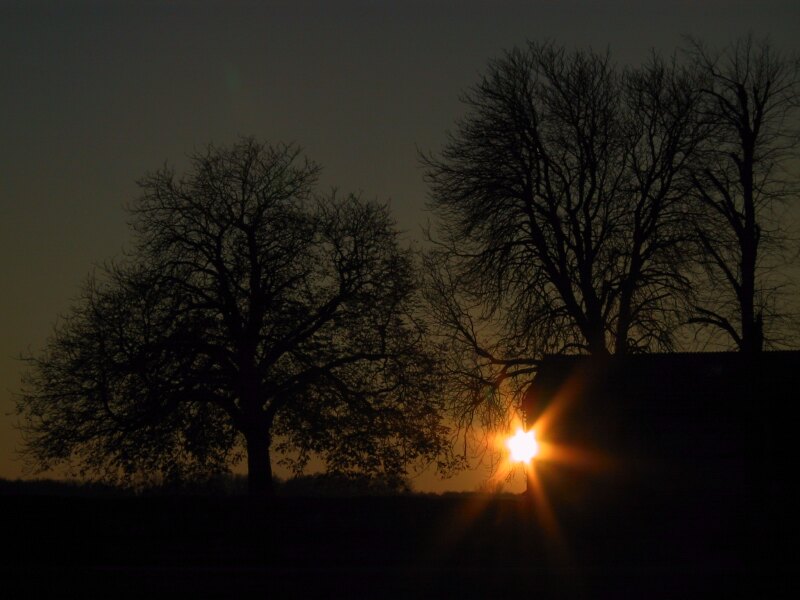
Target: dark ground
x: 405, y: 546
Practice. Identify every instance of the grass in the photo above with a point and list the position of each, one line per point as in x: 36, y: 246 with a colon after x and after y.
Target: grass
x: 466, y: 545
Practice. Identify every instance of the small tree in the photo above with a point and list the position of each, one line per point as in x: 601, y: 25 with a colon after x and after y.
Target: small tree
x: 251, y: 314
x: 750, y: 98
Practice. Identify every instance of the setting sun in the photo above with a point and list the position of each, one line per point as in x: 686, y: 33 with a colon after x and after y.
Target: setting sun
x: 523, y: 446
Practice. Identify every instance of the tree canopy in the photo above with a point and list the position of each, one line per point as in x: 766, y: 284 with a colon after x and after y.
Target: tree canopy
x: 583, y: 207
x: 251, y: 314
x: 561, y: 195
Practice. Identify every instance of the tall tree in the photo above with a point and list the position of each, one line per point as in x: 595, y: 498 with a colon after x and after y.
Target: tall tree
x: 751, y: 94
x: 251, y: 314
x: 560, y: 197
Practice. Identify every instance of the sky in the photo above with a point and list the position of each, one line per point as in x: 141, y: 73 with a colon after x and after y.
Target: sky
x: 94, y: 95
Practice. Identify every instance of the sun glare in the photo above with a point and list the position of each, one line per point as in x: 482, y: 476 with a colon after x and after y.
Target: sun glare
x: 523, y: 446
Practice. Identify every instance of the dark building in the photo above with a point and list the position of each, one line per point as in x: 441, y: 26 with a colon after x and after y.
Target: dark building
x: 699, y: 453
x: 700, y: 404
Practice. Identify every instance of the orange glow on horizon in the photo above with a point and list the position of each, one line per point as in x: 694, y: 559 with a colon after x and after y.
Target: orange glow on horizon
x: 542, y: 441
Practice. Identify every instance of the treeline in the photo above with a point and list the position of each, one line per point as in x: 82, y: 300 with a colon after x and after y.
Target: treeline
x: 311, y: 485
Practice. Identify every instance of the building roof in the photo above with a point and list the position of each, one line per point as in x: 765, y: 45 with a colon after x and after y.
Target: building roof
x: 659, y: 376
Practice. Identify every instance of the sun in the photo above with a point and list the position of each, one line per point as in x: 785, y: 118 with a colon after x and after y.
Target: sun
x: 523, y: 446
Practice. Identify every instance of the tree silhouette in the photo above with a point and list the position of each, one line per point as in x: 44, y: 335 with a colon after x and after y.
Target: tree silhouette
x: 750, y: 98
x: 562, y: 197
x: 251, y: 315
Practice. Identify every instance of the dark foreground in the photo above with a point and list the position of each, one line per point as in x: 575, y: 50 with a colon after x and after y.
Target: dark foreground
x: 406, y: 546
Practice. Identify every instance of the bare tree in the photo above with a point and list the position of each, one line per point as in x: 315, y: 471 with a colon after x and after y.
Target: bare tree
x: 251, y: 314
x: 750, y: 98
x: 561, y: 199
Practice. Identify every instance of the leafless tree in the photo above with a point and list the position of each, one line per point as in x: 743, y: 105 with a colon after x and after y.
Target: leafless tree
x: 561, y: 205
x: 750, y: 98
x: 251, y: 315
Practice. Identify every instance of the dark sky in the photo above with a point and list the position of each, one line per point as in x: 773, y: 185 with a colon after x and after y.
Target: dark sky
x: 95, y: 94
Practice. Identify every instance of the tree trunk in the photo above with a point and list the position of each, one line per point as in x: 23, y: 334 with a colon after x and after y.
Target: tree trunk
x: 259, y: 466
x: 752, y: 332
x: 596, y: 339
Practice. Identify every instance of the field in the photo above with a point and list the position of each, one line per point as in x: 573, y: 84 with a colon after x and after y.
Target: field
x: 462, y: 546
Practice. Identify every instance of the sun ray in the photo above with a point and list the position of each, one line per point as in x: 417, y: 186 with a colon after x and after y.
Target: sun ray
x: 573, y: 456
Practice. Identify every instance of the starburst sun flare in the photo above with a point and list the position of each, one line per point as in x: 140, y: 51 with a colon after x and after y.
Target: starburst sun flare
x: 523, y: 446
